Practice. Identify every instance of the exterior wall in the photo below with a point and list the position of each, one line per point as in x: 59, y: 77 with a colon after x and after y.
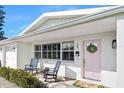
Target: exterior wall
x: 11, y: 55
x: 74, y: 69
x: 108, y: 53
x: 55, y: 21
x: 18, y: 57
x: 8, y: 55
x: 24, y: 54
x: 11, y: 59
x: 120, y: 51
x: 2, y: 56
x: 109, y: 78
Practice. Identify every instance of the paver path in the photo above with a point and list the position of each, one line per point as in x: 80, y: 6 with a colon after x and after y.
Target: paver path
x: 6, y: 84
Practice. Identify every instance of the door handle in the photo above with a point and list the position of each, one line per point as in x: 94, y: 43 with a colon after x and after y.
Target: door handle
x: 83, y: 62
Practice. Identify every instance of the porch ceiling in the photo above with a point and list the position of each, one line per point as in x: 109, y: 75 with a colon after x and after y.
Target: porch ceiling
x: 97, y: 26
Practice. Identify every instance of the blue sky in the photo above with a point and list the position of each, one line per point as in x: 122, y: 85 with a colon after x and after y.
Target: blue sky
x: 18, y: 17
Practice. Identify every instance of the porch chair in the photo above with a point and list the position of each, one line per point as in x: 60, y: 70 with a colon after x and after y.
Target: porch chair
x: 32, y: 66
x: 52, y: 71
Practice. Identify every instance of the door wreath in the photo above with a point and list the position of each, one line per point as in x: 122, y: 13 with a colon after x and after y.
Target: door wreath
x: 91, y: 48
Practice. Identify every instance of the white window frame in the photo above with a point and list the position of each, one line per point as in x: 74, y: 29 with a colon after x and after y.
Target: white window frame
x: 67, y: 51
x: 47, y: 51
x: 39, y: 51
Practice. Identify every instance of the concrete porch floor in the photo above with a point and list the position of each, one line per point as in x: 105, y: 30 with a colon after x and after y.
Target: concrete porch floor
x: 61, y: 83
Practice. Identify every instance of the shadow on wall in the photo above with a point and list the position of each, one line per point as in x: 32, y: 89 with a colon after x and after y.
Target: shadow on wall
x: 70, y: 73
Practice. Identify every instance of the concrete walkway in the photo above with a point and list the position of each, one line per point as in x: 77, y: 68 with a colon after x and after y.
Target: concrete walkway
x: 6, y: 84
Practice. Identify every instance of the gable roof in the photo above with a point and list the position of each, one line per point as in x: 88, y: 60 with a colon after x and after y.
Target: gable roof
x: 62, y: 14
x: 89, y: 17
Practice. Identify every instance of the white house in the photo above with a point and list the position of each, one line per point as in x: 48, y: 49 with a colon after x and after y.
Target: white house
x: 84, y: 40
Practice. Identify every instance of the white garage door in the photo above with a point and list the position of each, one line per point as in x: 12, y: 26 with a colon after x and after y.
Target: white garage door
x: 11, y: 59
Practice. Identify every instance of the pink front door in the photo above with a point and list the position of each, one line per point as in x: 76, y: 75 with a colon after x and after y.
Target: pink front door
x: 92, y: 59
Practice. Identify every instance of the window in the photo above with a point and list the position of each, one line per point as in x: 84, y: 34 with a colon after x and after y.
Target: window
x: 37, y: 51
x: 68, y: 50
x: 51, y: 51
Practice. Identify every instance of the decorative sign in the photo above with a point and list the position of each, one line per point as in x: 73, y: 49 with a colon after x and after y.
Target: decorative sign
x: 92, y: 48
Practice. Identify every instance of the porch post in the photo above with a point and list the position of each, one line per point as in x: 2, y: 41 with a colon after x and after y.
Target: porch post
x: 120, y: 51
x: 4, y: 56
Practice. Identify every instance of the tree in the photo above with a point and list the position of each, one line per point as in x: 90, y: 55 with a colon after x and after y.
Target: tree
x: 2, y: 16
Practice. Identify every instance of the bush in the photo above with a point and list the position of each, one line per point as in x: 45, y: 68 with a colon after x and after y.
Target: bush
x: 101, y: 86
x: 20, y: 78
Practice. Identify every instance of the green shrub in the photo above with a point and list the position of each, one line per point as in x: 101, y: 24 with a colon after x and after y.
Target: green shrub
x: 101, y: 86
x: 20, y: 78
x: 4, y: 72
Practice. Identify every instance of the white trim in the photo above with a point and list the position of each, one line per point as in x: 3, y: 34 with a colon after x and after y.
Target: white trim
x: 68, y: 13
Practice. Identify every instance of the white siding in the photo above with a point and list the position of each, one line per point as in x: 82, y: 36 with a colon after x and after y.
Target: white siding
x: 74, y: 69
x: 1, y: 57
x: 120, y: 51
x: 53, y: 21
x: 11, y: 59
x: 109, y: 78
x: 24, y: 54
x: 10, y: 56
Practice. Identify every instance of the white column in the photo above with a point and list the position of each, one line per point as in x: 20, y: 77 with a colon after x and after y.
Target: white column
x: 120, y: 51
